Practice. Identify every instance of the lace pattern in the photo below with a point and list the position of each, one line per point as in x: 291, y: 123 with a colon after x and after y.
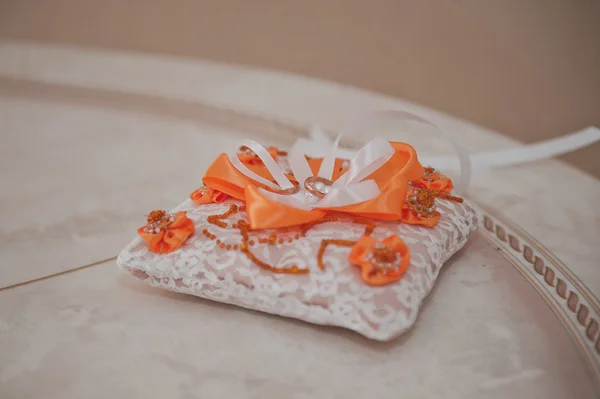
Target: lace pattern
x: 334, y: 296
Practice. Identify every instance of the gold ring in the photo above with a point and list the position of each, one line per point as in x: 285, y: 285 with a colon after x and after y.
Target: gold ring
x: 284, y: 191
x: 317, y: 186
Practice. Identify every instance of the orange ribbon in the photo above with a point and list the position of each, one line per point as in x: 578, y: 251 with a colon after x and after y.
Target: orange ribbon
x: 263, y: 213
x: 207, y: 196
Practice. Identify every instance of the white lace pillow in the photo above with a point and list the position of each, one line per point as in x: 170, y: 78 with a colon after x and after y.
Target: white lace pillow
x: 211, y: 265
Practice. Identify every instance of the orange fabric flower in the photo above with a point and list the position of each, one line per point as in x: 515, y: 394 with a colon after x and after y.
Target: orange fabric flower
x: 409, y: 216
x: 419, y: 207
x: 435, y: 181
x: 207, y: 195
x: 167, y: 233
x: 380, y: 262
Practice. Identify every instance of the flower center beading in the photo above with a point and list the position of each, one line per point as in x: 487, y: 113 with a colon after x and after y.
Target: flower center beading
x: 384, y: 257
x: 158, y: 220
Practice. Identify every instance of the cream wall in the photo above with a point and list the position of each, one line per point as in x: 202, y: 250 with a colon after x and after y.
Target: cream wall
x: 527, y: 68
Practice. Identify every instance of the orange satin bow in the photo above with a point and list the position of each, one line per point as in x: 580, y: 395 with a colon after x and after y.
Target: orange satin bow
x: 263, y: 213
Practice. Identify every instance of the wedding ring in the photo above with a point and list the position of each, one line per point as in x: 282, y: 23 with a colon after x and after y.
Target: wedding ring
x: 318, y: 186
x: 284, y: 191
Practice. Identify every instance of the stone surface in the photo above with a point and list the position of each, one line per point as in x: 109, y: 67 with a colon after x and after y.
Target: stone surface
x: 483, y: 332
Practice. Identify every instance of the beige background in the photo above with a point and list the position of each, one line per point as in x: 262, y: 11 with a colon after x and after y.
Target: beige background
x: 526, y: 68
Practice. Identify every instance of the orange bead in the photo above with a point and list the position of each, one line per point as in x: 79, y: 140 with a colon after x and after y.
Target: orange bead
x: 244, y: 247
x: 281, y: 240
x: 251, y: 242
x: 156, y: 216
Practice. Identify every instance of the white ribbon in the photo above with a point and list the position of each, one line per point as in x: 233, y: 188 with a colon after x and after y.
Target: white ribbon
x: 484, y: 160
x: 371, y: 120
x: 526, y: 153
x: 347, y: 191
x: 350, y: 188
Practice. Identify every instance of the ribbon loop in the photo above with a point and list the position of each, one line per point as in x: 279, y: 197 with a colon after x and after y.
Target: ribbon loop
x: 268, y: 161
x: 375, y: 118
x: 368, y: 159
x: 298, y: 164
x: 326, y: 169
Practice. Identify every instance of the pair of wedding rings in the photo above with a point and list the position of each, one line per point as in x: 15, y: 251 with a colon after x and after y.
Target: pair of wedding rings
x: 315, y: 185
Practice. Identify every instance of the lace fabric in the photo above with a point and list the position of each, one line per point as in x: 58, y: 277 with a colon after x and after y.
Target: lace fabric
x: 334, y: 296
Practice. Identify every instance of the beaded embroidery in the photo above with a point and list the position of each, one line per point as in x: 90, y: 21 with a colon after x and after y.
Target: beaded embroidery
x: 157, y: 221
x: 385, y: 261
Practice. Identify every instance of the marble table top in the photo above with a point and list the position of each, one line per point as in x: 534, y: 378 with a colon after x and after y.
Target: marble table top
x: 82, y: 130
